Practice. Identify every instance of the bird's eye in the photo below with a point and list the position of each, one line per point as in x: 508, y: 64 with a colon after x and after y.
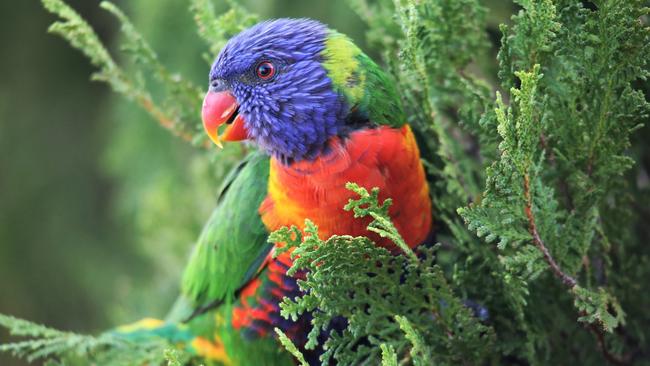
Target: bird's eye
x: 265, y: 70
x: 216, y: 85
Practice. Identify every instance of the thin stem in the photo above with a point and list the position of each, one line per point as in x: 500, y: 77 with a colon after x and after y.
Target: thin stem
x: 569, y: 281
x: 566, y: 279
x: 167, y: 123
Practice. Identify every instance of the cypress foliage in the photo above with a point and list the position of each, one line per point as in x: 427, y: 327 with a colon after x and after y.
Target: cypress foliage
x: 541, y: 258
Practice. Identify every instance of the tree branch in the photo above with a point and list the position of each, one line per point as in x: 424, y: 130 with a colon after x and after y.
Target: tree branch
x: 163, y: 120
x: 566, y: 279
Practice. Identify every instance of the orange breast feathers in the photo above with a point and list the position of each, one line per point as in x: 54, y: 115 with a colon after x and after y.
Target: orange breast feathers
x: 382, y: 157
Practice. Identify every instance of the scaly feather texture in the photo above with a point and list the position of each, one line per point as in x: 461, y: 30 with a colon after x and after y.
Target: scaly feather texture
x: 381, y: 157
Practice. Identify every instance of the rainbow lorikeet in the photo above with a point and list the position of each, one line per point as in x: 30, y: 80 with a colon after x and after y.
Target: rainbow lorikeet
x: 322, y: 114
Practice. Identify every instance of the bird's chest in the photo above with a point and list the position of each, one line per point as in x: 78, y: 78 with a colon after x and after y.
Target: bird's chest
x: 383, y: 157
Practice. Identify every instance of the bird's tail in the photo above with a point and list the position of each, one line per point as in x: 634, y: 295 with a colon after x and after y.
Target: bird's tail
x: 179, y: 335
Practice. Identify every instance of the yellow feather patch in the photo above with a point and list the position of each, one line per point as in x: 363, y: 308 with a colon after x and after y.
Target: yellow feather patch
x: 144, y: 324
x: 342, y: 65
x: 285, y: 207
x: 211, y: 350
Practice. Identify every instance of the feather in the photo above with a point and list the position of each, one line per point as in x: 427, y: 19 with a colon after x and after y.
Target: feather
x: 383, y: 157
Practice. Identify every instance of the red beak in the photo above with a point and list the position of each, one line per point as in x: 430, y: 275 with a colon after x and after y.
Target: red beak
x: 219, y: 108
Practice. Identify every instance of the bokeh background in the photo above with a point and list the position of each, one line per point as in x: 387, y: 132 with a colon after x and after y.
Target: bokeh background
x: 99, y: 206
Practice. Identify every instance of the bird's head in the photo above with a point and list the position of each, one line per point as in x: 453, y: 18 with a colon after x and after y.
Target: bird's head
x: 291, y: 85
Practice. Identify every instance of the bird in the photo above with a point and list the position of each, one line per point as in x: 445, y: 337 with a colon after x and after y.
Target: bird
x: 321, y: 113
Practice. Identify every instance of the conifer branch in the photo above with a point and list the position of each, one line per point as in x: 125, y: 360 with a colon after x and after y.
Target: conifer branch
x: 388, y: 355
x: 602, y: 346
x: 566, y: 279
x: 175, y: 113
x: 368, y: 205
x: 291, y: 347
x: 368, y: 285
x: 145, y: 101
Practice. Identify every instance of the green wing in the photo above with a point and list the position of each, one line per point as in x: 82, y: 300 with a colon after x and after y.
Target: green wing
x: 228, y: 254
x: 233, y: 243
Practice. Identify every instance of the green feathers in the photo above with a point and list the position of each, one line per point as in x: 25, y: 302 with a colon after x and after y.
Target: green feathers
x: 367, y: 88
x: 234, y: 242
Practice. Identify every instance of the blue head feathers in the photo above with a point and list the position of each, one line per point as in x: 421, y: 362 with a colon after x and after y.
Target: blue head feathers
x: 284, y: 75
x: 292, y: 113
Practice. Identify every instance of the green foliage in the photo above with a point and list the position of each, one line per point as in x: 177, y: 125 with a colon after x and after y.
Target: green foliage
x: 388, y: 355
x: 289, y: 346
x: 556, y: 167
x: 176, y: 111
x: 165, y: 188
x: 538, y: 204
x: 405, y: 302
x: 76, y: 349
x: 419, y: 350
x: 50, y: 341
x: 368, y: 205
x: 216, y: 30
x: 599, y: 308
x: 552, y: 155
x: 175, y: 357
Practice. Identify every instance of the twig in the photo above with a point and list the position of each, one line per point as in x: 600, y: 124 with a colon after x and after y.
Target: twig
x: 163, y: 120
x: 569, y: 281
x: 566, y: 279
x: 600, y: 339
